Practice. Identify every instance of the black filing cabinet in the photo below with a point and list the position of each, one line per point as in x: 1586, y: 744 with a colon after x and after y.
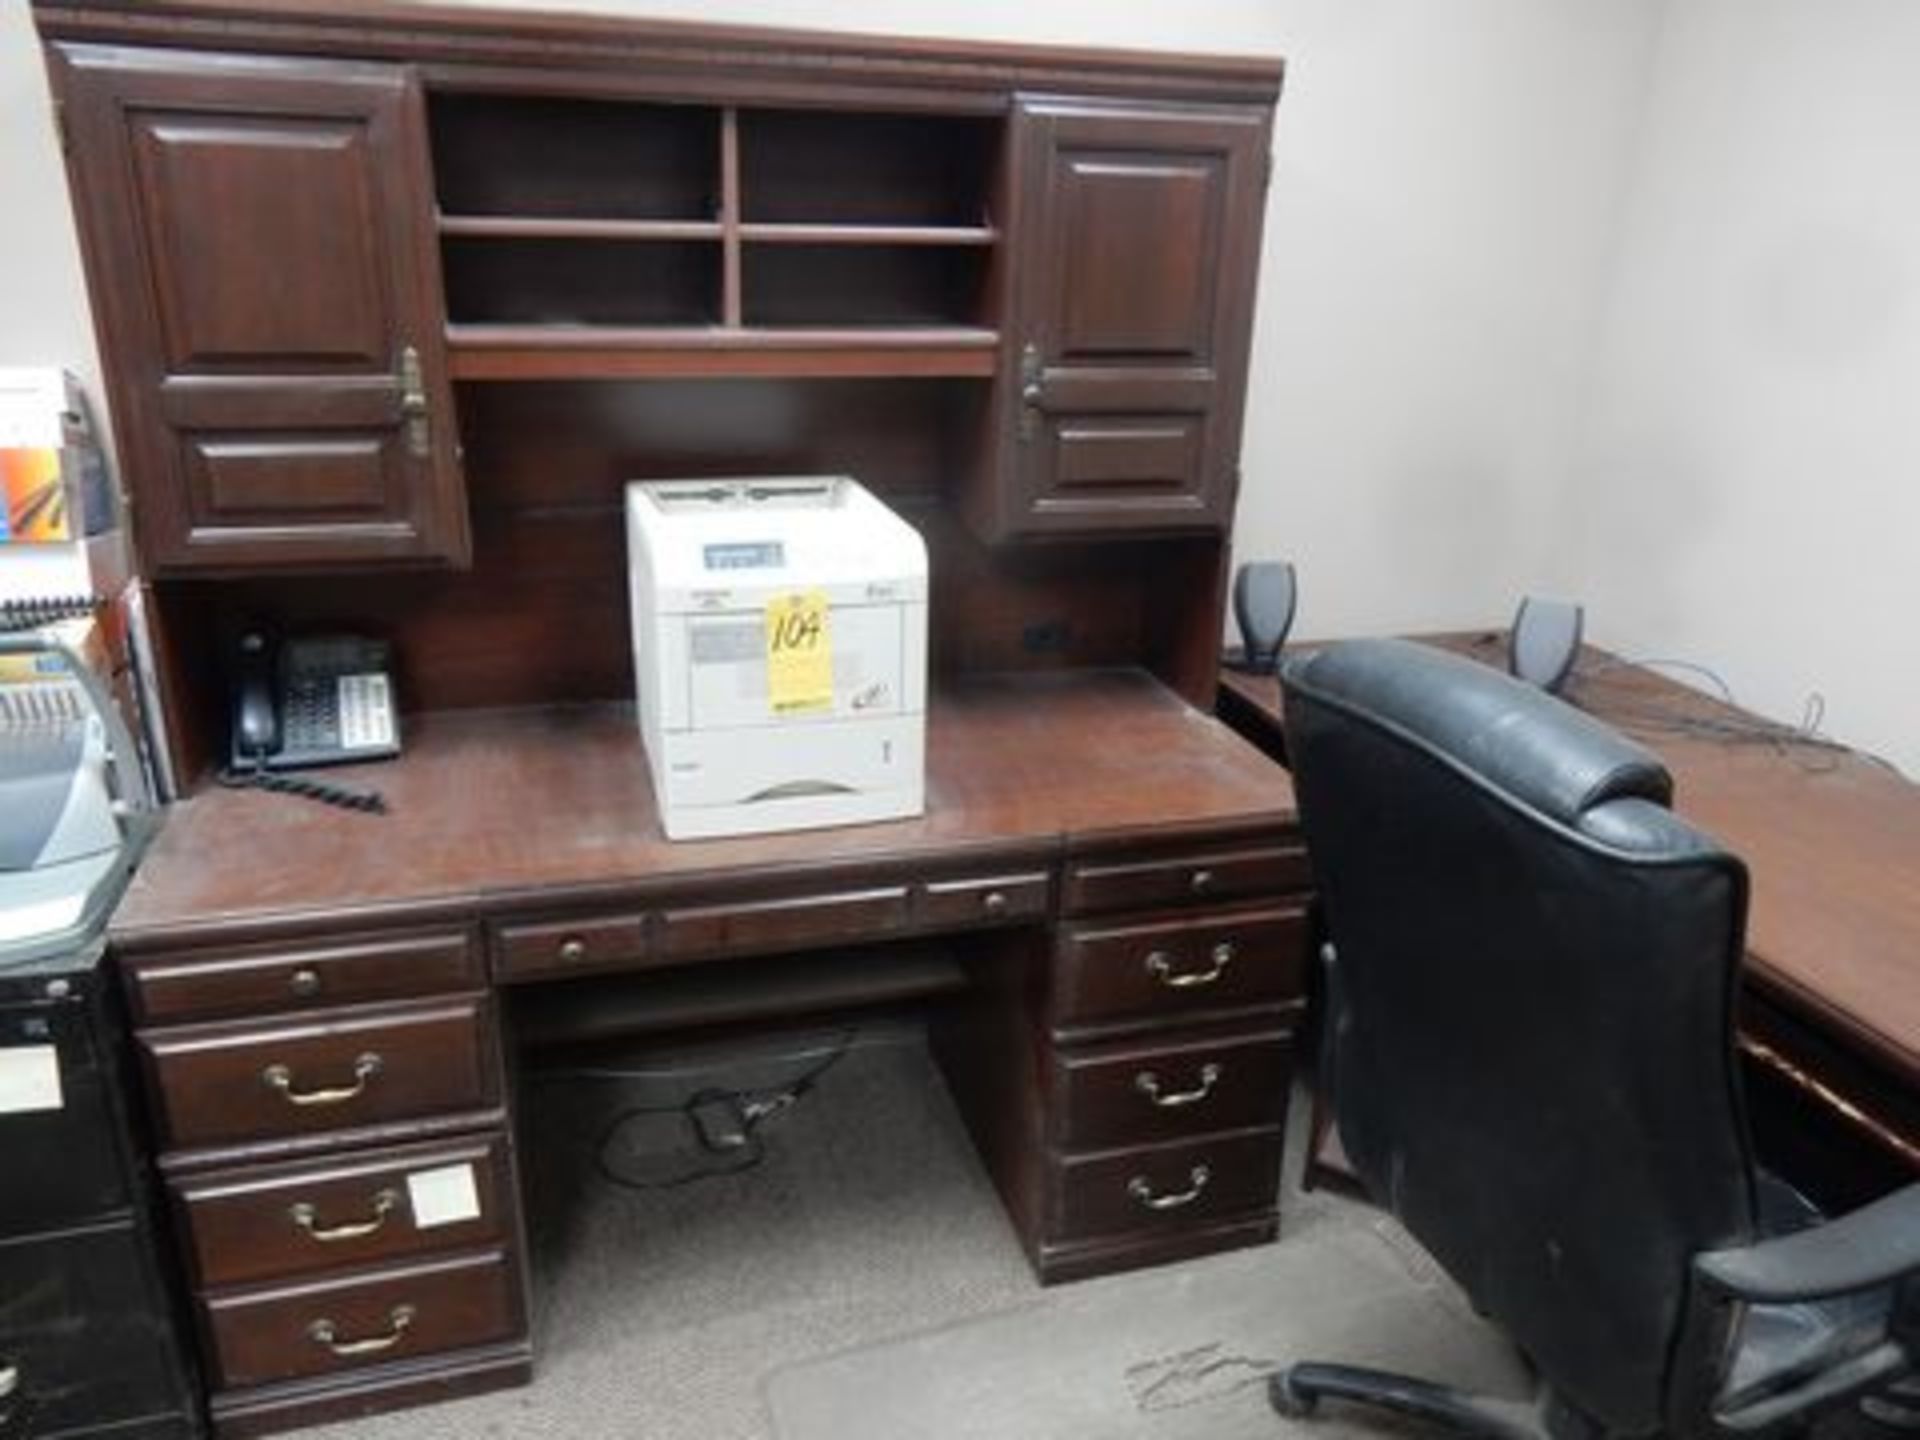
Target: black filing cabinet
x: 89, y: 1339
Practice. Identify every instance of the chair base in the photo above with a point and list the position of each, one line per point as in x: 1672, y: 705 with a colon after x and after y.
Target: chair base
x: 1297, y: 1391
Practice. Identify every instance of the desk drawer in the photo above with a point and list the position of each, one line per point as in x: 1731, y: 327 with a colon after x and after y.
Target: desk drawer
x: 791, y: 923
x: 257, y: 980
x: 1131, y: 1094
x: 228, y: 1083
x: 1165, y: 1187
x: 1167, y: 968
x: 1188, y: 876
x: 330, y: 1326
x: 274, y: 1222
x: 985, y: 900
x: 559, y: 947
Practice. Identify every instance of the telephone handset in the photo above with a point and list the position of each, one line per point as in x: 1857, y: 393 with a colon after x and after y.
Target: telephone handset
x: 324, y: 700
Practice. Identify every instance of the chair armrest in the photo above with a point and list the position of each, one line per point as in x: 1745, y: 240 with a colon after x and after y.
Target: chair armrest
x: 1874, y: 1245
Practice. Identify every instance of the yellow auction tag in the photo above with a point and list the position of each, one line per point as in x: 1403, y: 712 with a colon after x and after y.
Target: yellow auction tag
x: 799, y: 653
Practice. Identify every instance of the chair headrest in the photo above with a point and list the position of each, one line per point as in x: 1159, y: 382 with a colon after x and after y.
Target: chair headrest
x: 1521, y: 740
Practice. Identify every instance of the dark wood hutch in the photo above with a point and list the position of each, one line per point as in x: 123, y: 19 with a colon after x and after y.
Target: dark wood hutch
x: 392, y: 301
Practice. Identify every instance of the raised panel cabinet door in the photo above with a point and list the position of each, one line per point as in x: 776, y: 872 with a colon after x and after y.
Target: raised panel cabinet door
x: 1139, y: 238
x: 265, y: 279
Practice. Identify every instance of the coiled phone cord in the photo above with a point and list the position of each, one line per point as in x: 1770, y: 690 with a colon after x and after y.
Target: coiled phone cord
x: 369, y: 802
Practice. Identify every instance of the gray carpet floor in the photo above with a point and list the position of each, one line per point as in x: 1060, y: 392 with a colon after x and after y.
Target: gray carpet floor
x: 861, y: 1281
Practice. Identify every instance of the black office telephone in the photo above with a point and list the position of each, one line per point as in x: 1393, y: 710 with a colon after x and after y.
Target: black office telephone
x: 321, y: 700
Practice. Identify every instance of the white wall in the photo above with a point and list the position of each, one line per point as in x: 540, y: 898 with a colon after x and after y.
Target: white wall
x: 43, y: 303
x: 1747, y: 488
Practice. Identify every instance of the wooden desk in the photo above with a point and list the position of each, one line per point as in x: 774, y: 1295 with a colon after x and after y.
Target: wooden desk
x: 1833, y: 845
x: 318, y: 997
x: 394, y: 302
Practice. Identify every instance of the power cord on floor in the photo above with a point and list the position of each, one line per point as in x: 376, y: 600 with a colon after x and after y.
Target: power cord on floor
x: 725, y: 1123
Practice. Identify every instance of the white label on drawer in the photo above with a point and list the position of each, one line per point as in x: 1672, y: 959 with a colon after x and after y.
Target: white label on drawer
x: 443, y: 1197
x: 29, y: 1079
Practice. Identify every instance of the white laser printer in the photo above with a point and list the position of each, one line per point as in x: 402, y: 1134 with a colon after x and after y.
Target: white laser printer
x: 779, y: 652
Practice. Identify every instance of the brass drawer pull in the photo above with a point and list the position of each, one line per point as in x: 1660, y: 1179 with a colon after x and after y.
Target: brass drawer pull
x: 1141, y: 1189
x: 415, y: 413
x: 304, y: 982
x: 994, y: 902
x: 1202, y: 881
x: 1148, y: 1084
x: 325, y: 1332
x: 573, y: 949
x: 306, y: 1217
x: 280, y: 1078
x: 1160, y: 966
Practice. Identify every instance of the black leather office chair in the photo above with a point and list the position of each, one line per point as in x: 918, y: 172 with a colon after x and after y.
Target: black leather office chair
x: 1528, y: 1025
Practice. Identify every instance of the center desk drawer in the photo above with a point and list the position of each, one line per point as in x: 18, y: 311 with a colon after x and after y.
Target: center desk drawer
x: 789, y: 923
x: 227, y: 1083
x: 324, y: 1327
x: 269, y: 1222
x: 1166, y: 968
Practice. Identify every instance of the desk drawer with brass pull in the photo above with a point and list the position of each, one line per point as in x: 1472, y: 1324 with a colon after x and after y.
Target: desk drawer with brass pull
x: 1156, y: 1187
x: 272, y: 1222
x: 1185, y: 877
x: 230, y: 1083
x: 559, y: 947
x: 1166, y: 968
x: 205, y: 984
x: 1131, y: 1093
x: 290, y: 1332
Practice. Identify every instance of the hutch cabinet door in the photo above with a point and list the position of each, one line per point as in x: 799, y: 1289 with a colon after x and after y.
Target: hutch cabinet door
x: 259, y: 240
x: 1139, y: 241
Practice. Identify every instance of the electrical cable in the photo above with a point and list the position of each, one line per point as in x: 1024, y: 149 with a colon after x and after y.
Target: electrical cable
x: 369, y: 802
x: 1791, y: 741
x: 753, y: 1107
x: 33, y: 611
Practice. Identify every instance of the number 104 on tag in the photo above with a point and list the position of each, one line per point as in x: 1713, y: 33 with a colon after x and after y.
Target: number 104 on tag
x: 799, y: 654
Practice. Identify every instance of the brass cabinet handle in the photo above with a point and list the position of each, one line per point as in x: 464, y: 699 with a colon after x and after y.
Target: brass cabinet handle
x: 305, y: 1217
x: 1032, y: 391
x: 1141, y: 1189
x: 325, y: 1332
x: 994, y: 902
x: 573, y: 949
x: 1160, y: 966
x: 1148, y: 1084
x: 414, y: 411
x: 1201, y: 882
x: 280, y: 1078
x: 304, y: 982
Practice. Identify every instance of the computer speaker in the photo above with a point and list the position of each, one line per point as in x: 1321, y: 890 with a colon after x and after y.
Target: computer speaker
x: 1264, y: 596
x: 1544, y: 642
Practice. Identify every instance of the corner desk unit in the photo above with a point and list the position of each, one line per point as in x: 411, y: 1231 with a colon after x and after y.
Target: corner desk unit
x: 393, y: 300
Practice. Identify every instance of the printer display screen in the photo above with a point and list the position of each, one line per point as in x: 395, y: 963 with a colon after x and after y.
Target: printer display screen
x: 756, y: 555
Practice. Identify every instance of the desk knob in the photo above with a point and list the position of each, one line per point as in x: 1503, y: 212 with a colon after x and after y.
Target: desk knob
x: 1202, y: 881
x: 573, y: 949
x: 994, y: 902
x: 304, y: 982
